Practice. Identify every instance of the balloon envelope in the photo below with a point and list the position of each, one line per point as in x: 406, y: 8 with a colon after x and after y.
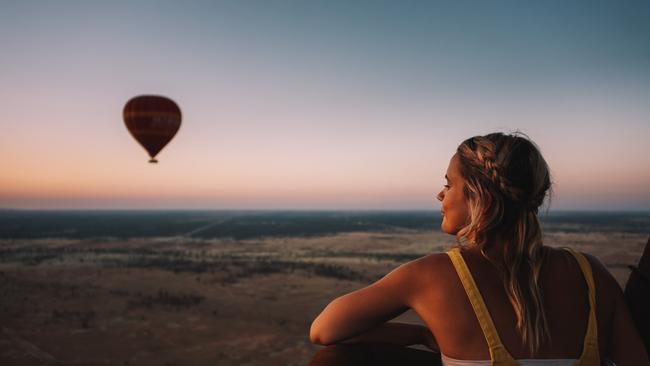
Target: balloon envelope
x: 153, y: 121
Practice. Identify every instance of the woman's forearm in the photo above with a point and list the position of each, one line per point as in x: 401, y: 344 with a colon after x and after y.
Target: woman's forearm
x: 400, y: 334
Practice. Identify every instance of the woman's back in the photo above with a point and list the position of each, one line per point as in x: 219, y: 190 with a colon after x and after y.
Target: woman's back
x: 565, y: 299
x: 537, y: 297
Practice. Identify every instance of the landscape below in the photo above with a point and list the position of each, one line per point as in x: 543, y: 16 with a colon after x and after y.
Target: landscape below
x: 220, y: 287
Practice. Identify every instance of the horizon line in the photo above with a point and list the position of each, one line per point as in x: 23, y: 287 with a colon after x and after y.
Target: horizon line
x: 541, y: 212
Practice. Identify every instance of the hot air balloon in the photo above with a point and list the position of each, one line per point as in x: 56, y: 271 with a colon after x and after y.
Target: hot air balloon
x: 153, y: 121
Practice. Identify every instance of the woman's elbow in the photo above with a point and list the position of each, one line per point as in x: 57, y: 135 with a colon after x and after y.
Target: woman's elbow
x: 315, y: 338
x: 318, y: 336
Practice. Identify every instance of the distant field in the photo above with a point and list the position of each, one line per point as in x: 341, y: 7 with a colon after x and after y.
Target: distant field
x: 255, y: 224
x: 220, y: 287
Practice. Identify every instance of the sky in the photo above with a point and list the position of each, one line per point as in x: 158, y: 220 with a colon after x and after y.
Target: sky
x: 318, y: 104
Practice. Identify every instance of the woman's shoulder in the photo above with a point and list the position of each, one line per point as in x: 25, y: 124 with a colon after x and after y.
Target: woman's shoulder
x: 603, y: 279
x: 432, y: 272
x: 434, y: 263
x: 607, y: 289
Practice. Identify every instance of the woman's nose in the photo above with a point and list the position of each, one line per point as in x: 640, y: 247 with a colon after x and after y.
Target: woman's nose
x: 440, y: 195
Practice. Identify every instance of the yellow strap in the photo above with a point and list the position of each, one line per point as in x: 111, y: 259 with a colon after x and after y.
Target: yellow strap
x: 590, y: 354
x: 498, y: 353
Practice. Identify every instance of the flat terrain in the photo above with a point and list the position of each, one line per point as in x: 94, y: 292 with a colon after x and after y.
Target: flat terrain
x: 182, y: 300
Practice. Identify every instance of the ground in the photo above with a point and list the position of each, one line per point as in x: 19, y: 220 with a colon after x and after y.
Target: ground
x: 179, y: 301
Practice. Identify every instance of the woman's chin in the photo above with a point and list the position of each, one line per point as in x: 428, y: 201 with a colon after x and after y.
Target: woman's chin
x: 448, y: 230
x: 443, y: 227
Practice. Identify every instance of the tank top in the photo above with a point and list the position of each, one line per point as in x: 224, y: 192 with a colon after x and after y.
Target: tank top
x: 499, y: 356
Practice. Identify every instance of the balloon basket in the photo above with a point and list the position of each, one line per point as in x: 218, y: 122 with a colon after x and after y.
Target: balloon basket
x: 153, y: 161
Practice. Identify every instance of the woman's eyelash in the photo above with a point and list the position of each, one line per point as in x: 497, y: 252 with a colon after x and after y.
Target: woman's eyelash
x: 446, y: 185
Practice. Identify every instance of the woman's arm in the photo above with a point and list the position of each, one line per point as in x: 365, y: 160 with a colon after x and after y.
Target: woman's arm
x: 398, y: 334
x: 361, y: 310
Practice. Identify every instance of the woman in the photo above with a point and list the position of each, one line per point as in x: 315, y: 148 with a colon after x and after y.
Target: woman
x: 500, y: 297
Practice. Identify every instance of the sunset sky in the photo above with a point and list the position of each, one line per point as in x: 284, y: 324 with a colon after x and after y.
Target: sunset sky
x: 318, y: 104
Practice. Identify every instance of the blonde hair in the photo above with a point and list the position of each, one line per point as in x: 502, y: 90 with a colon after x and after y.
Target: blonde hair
x: 506, y: 181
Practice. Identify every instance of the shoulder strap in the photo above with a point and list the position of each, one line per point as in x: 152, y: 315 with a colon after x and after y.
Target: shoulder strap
x: 498, y: 353
x: 590, y: 355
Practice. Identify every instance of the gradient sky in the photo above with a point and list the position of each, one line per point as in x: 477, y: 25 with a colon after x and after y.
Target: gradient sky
x: 318, y: 104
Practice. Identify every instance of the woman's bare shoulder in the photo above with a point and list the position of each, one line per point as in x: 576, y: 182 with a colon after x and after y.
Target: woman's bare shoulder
x: 432, y: 260
x: 602, y: 277
x: 605, y: 282
x: 432, y: 268
x: 433, y: 263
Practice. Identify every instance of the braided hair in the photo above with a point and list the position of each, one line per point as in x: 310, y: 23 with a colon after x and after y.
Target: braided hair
x: 507, y: 180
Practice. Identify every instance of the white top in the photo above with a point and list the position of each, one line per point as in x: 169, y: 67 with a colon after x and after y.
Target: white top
x: 448, y: 361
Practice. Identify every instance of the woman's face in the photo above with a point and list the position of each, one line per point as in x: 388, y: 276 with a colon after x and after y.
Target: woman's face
x: 455, y: 211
